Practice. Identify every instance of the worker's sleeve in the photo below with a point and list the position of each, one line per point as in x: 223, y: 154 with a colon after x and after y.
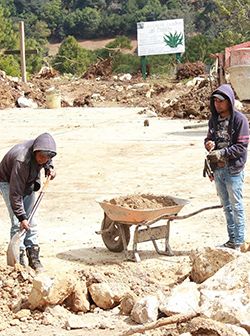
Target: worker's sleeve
x: 18, y: 180
x: 242, y: 140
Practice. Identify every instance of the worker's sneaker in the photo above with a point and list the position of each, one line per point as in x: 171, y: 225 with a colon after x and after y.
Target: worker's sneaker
x: 33, y: 257
x: 22, y: 258
x: 228, y: 244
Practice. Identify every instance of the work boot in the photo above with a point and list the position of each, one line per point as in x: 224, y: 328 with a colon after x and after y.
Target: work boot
x: 22, y: 258
x: 33, y: 258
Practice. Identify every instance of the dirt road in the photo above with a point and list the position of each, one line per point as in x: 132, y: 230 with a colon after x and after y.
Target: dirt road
x: 108, y: 152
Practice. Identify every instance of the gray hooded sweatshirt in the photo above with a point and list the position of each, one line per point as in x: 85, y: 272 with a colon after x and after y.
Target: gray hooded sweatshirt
x: 20, y: 169
x: 238, y: 129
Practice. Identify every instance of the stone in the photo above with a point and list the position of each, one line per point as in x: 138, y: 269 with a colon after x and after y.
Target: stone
x: 145, y: 310
x: 108, y: 295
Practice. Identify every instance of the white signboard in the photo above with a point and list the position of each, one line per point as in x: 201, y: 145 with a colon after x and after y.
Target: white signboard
x: 160, y: 37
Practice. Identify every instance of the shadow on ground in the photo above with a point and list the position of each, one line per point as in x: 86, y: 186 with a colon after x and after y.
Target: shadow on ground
x: 98, y: 255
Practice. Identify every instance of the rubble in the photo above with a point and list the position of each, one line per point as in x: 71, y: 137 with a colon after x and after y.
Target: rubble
x: 164, y: 99
x: 222, y: 299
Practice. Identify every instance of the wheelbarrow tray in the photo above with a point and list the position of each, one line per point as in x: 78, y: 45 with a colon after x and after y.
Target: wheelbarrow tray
x: 134, y: 216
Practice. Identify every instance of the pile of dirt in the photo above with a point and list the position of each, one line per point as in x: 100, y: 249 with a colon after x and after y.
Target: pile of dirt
x: 102, y: 68
x: 192, y: 105
x: 14, y: 289
x: 190, y: 70
x: 143, y: 201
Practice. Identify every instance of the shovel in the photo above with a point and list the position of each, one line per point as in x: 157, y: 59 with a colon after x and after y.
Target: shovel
x: 13, y: 251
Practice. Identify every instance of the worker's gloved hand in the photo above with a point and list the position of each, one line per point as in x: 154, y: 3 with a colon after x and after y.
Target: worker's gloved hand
x: 215, y: 156
x: 50, y: 171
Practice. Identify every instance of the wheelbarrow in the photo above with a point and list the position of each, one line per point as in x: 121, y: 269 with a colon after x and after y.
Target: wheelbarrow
x: 117, y: 221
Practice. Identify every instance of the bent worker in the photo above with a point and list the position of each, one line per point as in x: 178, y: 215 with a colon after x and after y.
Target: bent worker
x: 19, y: 180
x: 227, y: 143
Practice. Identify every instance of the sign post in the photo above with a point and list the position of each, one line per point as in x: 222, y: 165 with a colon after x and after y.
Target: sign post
x: 160, y: 37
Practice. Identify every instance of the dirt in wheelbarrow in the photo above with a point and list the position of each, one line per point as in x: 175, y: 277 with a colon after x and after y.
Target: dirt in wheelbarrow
x: 143, y: 201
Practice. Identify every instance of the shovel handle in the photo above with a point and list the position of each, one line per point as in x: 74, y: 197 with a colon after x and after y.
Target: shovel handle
x: 39, y: 198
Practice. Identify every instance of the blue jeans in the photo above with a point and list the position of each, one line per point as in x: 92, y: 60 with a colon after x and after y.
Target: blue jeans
x: 229, y: 188
x: 31, y: 236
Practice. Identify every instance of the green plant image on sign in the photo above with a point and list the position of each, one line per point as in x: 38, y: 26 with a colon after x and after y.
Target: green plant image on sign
x: 173, y: 40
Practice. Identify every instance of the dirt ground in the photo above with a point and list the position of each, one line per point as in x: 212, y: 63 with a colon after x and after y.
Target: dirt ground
x: 105, y: 153
x: 89, y: 44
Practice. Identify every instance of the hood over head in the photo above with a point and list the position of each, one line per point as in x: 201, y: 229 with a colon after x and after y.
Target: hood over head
x: 225, y: 91
x: 45, y: 142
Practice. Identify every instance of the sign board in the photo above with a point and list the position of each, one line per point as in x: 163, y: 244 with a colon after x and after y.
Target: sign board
x: 160, y: 37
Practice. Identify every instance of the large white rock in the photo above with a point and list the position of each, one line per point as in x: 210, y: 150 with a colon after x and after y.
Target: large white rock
x: 225, y: 296
x: 55, y: 290
x: 145, y: 310
x: 183, y: 299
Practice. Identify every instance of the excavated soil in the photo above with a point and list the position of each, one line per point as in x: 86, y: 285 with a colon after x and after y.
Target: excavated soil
x: 143, y: 201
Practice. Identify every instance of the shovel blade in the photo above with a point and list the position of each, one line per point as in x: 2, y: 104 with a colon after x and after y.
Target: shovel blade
x: 13, y: 251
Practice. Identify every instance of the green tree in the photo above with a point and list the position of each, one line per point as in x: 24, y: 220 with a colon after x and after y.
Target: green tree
x: 8, y: 35
x: 82, y: 23
x: 71, y: 58
x: 54, y: 14
x: 237, y: 16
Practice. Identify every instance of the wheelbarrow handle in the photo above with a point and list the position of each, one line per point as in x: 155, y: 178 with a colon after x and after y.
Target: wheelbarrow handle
x: 172, y: 217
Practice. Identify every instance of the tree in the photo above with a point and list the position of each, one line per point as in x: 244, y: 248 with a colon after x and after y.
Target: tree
x: 8, y: 35
x: 53, y: 14
x: 237, y: 15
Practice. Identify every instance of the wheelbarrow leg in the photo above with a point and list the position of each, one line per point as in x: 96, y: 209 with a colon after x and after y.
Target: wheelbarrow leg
x: 168, y: 249
x: 124, y: 242
x: 135, y: 252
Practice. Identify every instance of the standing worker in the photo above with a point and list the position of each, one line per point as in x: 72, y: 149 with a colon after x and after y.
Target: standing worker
x: 19, y: 180
x: 227, y: 141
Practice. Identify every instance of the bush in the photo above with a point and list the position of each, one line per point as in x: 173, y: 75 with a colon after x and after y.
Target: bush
x: 126, y: 63
x: 161, y: 64
x: 10, y: 66
x: 122, y: 42
x: 71, y: 58
x: 103, y: 53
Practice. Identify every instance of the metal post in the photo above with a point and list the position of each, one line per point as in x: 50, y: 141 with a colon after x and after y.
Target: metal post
x: 144, y: 66
x: 22, y: 51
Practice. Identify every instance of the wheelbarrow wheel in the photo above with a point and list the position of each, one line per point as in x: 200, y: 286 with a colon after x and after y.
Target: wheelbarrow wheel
x: 112, y: 237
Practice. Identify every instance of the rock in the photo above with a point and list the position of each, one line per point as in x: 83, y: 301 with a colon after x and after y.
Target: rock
x: 145, y: 310
x: 183, y: 299
x: 127, y: 303
x: 225, y: 296
x: 108, y: 295
x: 26, y: 102
x: 77, y: 301
x: 22, y: 313
x: 207, y: 261
x: 48, y: 290
x: 74, y: 322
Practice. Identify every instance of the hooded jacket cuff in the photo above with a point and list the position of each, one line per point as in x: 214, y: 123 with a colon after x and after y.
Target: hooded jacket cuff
x: 223, y: 152
x: 22, y: 217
